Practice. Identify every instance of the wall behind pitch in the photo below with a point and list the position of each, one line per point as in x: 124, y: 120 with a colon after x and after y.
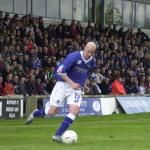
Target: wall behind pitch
x: 108, y: 105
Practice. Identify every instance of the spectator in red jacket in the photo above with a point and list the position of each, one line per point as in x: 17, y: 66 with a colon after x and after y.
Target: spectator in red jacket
x: 117, y: 86
x: 8, y: 86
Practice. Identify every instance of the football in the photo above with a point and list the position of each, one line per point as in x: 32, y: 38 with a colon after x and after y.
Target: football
x: 69, y: 137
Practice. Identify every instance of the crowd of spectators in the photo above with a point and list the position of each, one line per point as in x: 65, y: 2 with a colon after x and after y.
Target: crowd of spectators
x: 30, y: 51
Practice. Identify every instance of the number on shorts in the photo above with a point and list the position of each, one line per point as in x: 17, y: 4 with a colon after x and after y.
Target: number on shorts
x: 77, y: 98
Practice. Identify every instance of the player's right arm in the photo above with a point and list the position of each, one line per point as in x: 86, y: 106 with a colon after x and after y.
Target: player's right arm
x: 63, y: 68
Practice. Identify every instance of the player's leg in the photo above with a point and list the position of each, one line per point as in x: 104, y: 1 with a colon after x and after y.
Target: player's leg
x: 74, y: 101
x: 69, y: 119
x: 35, y: 113
x: 51, y: 107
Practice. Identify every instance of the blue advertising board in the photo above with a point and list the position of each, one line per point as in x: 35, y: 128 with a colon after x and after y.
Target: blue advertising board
x: 89, y: 106
x: 134, y: 104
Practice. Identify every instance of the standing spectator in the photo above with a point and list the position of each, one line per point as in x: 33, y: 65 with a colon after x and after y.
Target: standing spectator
x: 59, y: 32
x: 41, y: 23
x: 73, y: 29
x: 117, y: 86
x: 142, y: 36
x: 65, y: 28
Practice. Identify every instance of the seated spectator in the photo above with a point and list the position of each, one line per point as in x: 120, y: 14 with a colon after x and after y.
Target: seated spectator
x: 141, y: 88
x: 1, y: 62
x: 91, y: 88
x: 117, y: 86
x: 40, y: 89
x: 97, y: 76
x: 22, y: 86
x: 30, y: 85
x: 87, y: 87
x: 148, y: 91
x: 105, y: 86
x: 131, y: 86
x: 15, y: 82
x: 147, y: 82
x: 50, y: 85
x: 29, y: 49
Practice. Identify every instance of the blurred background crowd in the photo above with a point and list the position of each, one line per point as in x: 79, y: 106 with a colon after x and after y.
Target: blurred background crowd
x: 30, y: 51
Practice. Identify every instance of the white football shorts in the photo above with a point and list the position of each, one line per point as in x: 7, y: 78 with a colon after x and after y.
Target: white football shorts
x: 63, y: 92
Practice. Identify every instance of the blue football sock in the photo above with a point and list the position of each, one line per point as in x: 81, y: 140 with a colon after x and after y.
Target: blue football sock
x: 65, y: 124
x: 39, y: 112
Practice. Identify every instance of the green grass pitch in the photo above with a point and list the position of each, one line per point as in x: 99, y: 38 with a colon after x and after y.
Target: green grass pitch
x: 114, y: 132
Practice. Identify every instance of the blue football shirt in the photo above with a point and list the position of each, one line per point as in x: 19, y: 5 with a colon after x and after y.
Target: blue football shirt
x: 76, y: 67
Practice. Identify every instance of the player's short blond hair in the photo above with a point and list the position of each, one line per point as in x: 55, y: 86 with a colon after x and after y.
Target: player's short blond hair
x: 92, y: 44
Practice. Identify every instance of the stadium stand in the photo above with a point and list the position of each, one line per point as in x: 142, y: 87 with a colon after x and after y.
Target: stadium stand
x: 29, y: 52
